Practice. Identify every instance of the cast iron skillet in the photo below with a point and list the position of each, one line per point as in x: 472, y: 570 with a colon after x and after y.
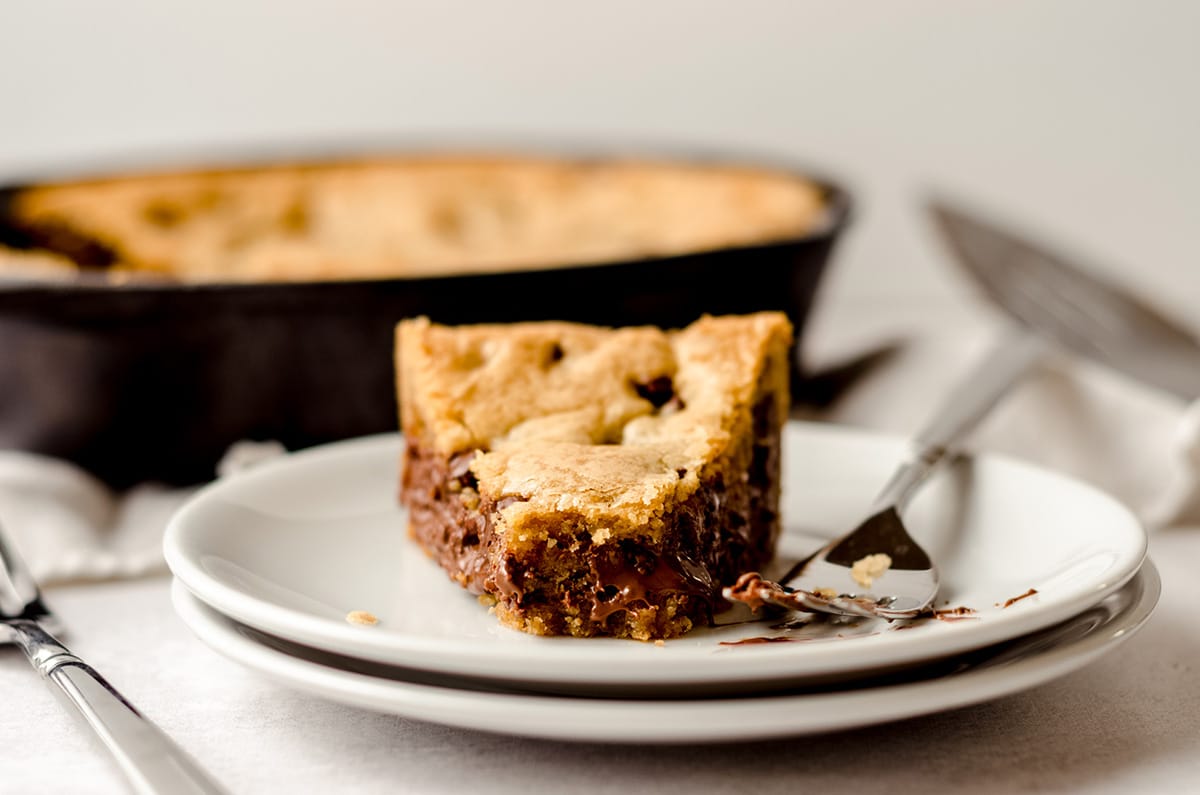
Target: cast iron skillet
x: 154, y: 382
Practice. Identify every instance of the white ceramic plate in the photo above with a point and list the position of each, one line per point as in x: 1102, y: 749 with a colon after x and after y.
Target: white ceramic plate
x: 1001, y: 670
x: 291, y: 547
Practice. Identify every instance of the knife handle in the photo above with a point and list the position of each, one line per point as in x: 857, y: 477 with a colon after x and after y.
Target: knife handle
x: 151, y: 762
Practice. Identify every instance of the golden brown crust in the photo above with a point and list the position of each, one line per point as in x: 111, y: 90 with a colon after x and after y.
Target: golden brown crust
x: 595, y: 481
x: 557, y: 413
x: 417, y: 216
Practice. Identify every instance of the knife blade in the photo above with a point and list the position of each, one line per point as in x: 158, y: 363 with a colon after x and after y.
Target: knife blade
x: 1070, y: 305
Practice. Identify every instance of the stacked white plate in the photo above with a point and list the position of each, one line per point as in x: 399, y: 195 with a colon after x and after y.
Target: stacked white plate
x: 269, y: 563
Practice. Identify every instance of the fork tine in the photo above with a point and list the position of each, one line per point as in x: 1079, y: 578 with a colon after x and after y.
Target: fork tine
x: 756, y: 592
x: 880, y: 547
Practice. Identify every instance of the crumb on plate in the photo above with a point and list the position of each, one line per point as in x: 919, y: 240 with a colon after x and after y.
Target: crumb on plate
x: 868, y: 568
x: 362, y: 618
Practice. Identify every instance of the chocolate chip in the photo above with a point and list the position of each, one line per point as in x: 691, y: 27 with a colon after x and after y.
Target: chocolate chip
x: 658, y: 391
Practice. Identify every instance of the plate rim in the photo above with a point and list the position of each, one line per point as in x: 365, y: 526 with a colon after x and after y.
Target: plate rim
x: 564, y: 664
x: 669, y: 721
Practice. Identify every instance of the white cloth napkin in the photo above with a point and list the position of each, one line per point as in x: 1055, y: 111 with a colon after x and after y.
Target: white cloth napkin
x: 69, y: 526
x: 1141, y: 446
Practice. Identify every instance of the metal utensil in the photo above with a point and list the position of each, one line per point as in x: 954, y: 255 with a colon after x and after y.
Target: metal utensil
x: 877, y: 570
x: 1070, y: 305
x: 150, y: 761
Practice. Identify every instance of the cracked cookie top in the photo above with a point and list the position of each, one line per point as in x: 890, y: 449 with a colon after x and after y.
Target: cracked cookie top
x: 409, y: 216
x: 607, y: 425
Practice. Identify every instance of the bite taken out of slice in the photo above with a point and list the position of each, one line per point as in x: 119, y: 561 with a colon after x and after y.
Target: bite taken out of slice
x: 591, y: 480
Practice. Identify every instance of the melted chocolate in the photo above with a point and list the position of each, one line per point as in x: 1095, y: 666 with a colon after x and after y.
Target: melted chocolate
x: 1015, y: 599
x: 954, y: 614
x: 759, y: 640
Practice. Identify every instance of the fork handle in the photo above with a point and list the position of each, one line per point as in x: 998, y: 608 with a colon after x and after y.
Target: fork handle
x: 152, y: 763
x: 965, y: 406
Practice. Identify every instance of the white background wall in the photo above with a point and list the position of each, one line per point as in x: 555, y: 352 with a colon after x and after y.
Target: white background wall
x: 1079, y: 118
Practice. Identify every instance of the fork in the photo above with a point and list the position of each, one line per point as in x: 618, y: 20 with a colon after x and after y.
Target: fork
x: 877, y: 570
x: 151, y: 761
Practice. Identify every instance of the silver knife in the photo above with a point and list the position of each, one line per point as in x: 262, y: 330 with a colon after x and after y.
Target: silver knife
x: 1071, y: 306
x: 151, y: 761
